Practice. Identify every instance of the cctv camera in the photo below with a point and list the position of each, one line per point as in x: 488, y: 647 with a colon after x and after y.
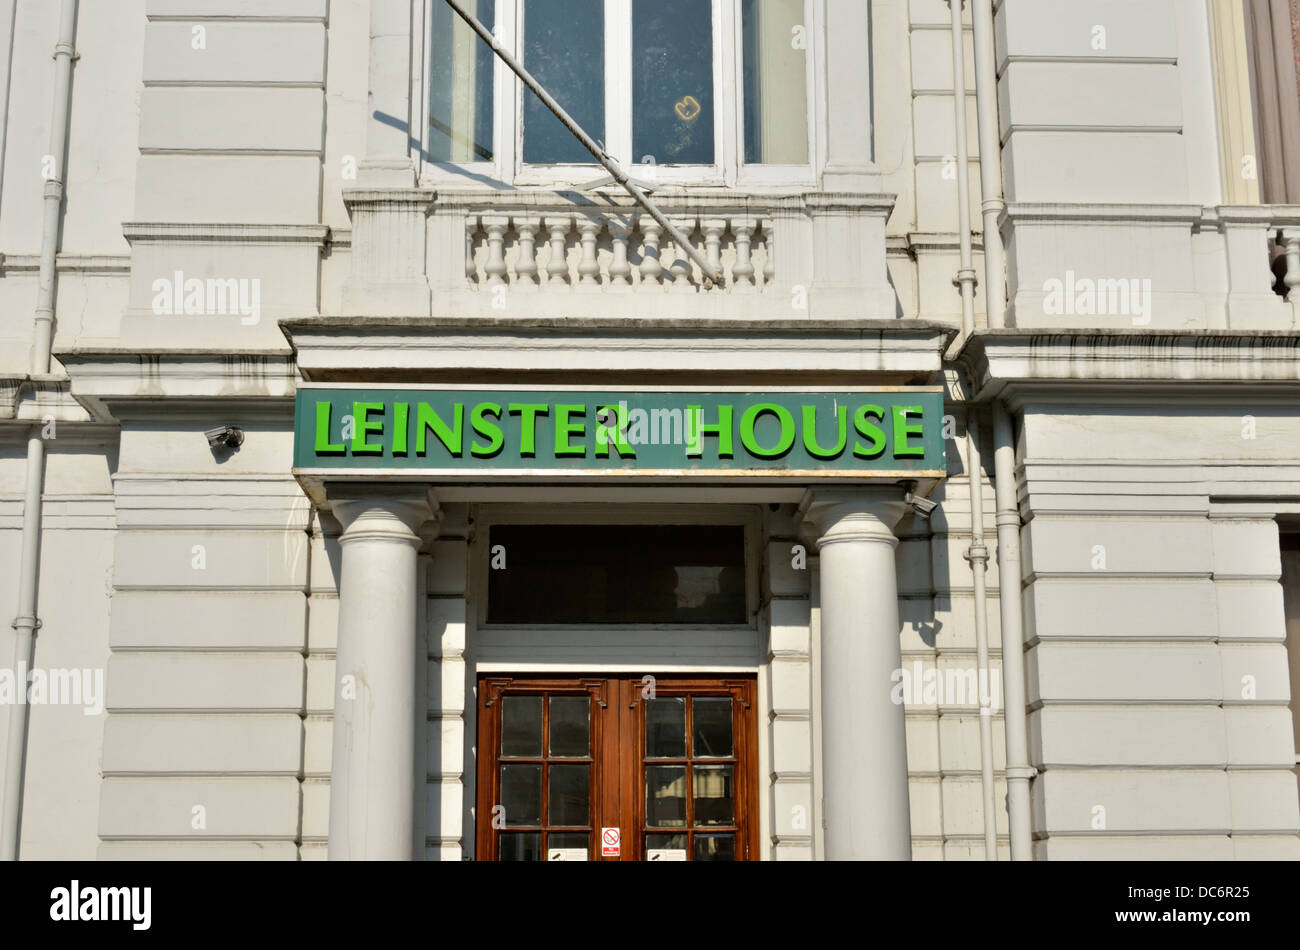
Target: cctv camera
x: 922, y: 506
x: 225, y: 437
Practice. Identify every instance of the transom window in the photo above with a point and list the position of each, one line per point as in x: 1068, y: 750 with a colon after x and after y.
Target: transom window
x: 707, y: 91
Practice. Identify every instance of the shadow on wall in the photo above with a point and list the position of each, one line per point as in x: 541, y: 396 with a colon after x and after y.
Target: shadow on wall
x: 924, y: 595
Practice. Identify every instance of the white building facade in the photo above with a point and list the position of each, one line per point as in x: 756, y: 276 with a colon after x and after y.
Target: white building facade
x: 378, y: 482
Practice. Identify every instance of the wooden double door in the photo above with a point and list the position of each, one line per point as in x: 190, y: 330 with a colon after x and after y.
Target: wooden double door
x: 617, y: 768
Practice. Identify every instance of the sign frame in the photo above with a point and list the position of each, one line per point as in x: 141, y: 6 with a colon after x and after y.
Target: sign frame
x: 313, y: 476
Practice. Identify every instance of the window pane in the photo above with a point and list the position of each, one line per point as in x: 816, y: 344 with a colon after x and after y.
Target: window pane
x: 714, y: 790
x: 665, y: 796
x: 665, y: 728
x: 460, y: 87
x: 711, y: 726
x: 672, y: 81
x: 521, y: 794
x: 618, y: 574
x: 564, y: 48
x: 521, y: 725
x: 570, y: 789
x: 570, y: 725
x: 521, y: 847
x: 776, y: 104
x: 715, y: 848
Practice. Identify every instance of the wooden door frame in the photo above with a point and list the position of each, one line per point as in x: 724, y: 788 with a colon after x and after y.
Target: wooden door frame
x: 618, y: 750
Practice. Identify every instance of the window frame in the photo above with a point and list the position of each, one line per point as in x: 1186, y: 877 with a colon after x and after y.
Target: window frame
x: 729, y: 168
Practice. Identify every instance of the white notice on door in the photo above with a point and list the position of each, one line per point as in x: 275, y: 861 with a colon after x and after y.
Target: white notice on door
x: 665, y: 854
x: 566, y: 854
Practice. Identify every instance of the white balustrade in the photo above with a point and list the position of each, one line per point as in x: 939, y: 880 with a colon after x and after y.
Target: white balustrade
x: 616, y: 252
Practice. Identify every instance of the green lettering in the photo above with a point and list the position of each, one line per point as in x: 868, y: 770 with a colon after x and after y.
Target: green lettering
x: 489, y: 430
x: 363, y: 427
x: 869, y: 430
x: 902, y: 430
x: 564, y: 430
x: 528, y: 413
x: 451, y: 436
x: 750, y: 419
x: 611, y: 429
x: 810, y: 432
x: 697, y: 429
x: 323, y: 444
x: 401, y: 414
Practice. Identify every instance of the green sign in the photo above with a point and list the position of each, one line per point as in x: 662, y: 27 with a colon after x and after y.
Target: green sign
x: 456, y: 431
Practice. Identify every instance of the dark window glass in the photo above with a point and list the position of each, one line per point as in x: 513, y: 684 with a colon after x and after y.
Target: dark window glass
x: 564, y: 48
x: 672, y: 81
x: 521, y: 726
x: 618, y: 574
x: 521, y: 847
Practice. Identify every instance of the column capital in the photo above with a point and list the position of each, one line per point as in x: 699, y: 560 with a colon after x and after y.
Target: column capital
x: 383, y: 512
x: 870, y: 513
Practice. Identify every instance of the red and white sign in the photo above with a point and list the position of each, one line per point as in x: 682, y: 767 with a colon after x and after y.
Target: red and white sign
x: 609, y: 842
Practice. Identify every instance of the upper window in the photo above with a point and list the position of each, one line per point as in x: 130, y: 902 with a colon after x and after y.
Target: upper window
x: 690, y: 90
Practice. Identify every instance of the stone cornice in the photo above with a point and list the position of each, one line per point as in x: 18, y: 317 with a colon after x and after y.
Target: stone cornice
x: 671, y: 200
x: 1082, y: 214
x: 408, y: 198
x: 103, y: 379
x: 222, y: 233
x: 39, y: 398
x: 1006, y: 362
x: 345, y: 348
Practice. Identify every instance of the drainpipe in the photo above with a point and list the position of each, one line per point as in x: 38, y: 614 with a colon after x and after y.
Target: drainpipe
x: 978, y: 556
x: 978, y: 553
x: 1019, y: 772
x: 990, y: 141
x: 26, y: 623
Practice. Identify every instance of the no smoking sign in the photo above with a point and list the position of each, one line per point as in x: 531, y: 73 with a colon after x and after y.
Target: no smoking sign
x: 609, y: 842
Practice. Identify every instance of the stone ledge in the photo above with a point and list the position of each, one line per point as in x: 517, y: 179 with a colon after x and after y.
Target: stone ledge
x: 1008, y: 359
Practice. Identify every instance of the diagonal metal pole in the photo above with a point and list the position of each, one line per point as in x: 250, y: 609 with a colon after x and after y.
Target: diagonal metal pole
x: 711, y: 276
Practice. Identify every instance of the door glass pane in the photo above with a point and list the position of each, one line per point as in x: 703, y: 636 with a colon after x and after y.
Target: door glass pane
x: 665, y: 796
x: 711, y: 726
x: 567, y: 846
x: 521, y: 725
x: 521, y: 847
x: 570, y: 725
x: 564, y: 47
x: 672, y: 81
x: 715, y: 847
x: 714, y: 791
x: 460, y: 86
x: 521, y: 794
x: 776, y: 102
x: 570, y: 791
x: 665, y: 728
x: 665, y: 847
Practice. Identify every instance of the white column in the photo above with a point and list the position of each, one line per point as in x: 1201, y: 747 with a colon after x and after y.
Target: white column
x: 864, y: 746
x: 376, y: 678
